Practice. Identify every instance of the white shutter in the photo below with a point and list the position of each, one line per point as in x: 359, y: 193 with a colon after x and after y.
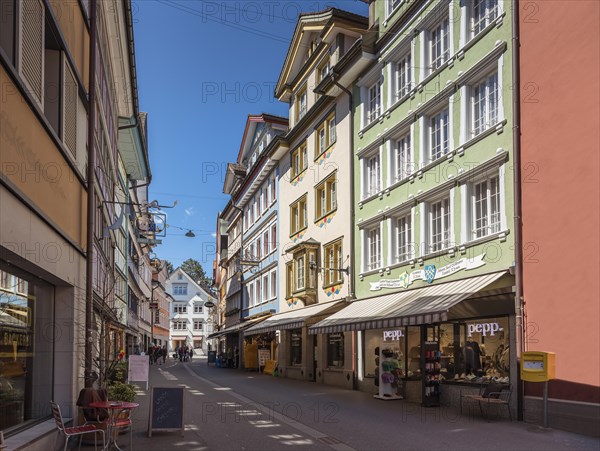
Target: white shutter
x: 423, y: 220
x: 464, y: 213
x: 31, y: 47
x: 70, y: 101
x: 451, y: 228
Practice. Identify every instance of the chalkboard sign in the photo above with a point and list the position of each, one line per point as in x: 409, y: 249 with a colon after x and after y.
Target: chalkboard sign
x: 166, y: 410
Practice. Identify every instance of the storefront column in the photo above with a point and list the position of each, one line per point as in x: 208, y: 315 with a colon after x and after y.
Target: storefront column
x: 514, y: 368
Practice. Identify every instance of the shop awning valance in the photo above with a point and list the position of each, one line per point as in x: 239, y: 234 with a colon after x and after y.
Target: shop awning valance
x: 294, y: 319
x: 238, y: 327
x: 425, y: 305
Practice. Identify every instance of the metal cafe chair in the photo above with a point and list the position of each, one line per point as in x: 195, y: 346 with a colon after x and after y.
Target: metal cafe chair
x: 69, y: 432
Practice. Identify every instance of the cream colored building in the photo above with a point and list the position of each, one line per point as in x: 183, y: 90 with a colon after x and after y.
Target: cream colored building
x: 314, y: 201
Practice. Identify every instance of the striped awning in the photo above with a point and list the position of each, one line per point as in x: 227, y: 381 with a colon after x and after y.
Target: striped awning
x: 294, y: 319
x: 238, y: 327
x: 425, y: 305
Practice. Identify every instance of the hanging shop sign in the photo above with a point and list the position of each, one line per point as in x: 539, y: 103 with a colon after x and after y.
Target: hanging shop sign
x: 429, y: 274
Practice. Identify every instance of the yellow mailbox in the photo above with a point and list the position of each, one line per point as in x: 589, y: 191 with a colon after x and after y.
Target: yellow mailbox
x: 538, y: 366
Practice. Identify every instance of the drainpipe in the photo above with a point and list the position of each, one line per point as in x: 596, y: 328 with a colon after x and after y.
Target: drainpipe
x: 518, y: 223
x: 91, y: 204
x: 351, y: 293
x: 352, y: 254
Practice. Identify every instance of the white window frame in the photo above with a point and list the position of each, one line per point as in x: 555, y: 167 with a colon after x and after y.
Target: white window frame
x: 403, y: 75
x: 372, y: 183
x: 266, y: 286
x: 273, y: 284
x: 491, y: 221
x: 445, y: 232
x: 402, y: 158
x: 374, y: 105
x: 373, y: 248
x: 439, y: 120
x: 403, y: 238
x: 391, y: 6
x: 438, y: 33
x: 300, y: 272
x: 489, y: 12
x: 198, y: 323
x: 484, y: 104
x: 197, y: 308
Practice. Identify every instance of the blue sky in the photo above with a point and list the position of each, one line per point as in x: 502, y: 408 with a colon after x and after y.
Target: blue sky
x: 202, y: 67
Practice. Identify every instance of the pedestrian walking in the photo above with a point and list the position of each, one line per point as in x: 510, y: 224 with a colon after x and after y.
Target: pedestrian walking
x: 158, y: 354
x: 164, y: 354
x: 191, y: 353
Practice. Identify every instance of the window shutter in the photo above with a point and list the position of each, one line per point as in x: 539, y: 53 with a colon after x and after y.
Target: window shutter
x: 70, y: 102
x: 31, y: 47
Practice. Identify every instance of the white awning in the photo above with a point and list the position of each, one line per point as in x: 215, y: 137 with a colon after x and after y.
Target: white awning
x: 294, y: 319
x: 425, y: 305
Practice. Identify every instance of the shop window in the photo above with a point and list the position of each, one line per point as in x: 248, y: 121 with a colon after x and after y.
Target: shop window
x: 296, y: 347
x: 335, y: 350
x: 485, y: 349
x: 413, y: 358
x: 26, y: 309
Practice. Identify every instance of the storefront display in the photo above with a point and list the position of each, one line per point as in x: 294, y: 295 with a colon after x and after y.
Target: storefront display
x: 26, y: 343
x: 296, y: 347
x: 432, y: 375
x: 335, y: 350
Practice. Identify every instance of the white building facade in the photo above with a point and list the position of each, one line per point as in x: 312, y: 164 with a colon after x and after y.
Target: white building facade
x: 189, y: 324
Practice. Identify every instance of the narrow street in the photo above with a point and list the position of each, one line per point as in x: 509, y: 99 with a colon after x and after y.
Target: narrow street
x: 235, y: 410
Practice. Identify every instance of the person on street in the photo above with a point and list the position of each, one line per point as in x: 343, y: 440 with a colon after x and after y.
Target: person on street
x: 164, y: 354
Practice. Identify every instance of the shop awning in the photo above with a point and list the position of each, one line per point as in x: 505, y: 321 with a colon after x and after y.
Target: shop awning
x: 238, y: 327
x: 294, y: 319
x: 425, y: 305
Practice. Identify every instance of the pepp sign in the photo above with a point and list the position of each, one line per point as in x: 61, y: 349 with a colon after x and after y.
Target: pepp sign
x: 485, y: 329
x: 392, y: 335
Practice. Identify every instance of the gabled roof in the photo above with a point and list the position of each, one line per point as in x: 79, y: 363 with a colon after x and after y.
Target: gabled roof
x: 309, y: 23
x: 251, y: 124
x: 189, y: 279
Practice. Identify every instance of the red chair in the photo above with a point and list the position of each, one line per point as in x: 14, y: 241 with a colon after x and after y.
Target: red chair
x: 75, y: 430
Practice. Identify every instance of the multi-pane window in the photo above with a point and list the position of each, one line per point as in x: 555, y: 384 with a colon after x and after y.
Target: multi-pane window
x: 392, y: 5
x: 485, y: 104
x: 483, y: 13
x: 263, y: 199
x: 332, y: 262
x: 179, y: 325
x: 374, y: 102
x: 258, y: 247
x: 251, y: 294
x: 257, y: 291
x: 300, y: 273
x: 486, y: 208
x: 324, y: 70
x: 265, y: 287
x: 439, y: 45
x: 325, y: 135
x: 403, y: 76
x: 266, y: 243
x: 403, y: 160
x: 197, y: 307
x: 197, y: 325
x: 5, y: 280
x: 272, y: 190
x: 180, y: 289
x: 274, y: 236
x: 179, y: 308
x: 372, y: 175
x: 439, y: 129
x: 301, y: 104
x: 299, y: 159
x: 373, y: 248
x: 326, y: 196
x: 273, y: 279
x: 439, y: 225
x: 298, y: 220
x: 289, y: 279
x: 402, y: 239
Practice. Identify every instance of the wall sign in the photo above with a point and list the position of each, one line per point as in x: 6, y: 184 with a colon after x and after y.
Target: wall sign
x: 392, y: 335
x: 484, y: 329
x: 429, y: 274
